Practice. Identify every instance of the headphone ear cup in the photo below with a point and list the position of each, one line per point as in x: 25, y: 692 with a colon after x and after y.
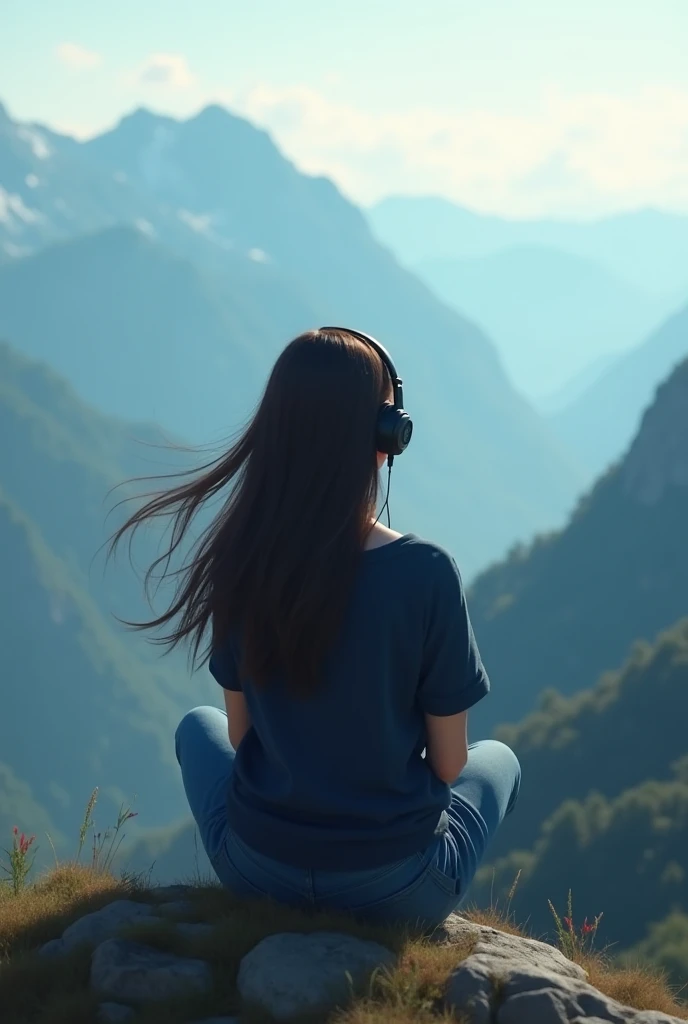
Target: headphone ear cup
x: 394, y: 430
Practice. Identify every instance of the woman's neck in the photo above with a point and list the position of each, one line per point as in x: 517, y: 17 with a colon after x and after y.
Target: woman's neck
x: 378, y: 536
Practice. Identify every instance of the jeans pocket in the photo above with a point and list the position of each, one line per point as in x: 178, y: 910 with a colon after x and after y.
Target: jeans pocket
x: 452, y: 886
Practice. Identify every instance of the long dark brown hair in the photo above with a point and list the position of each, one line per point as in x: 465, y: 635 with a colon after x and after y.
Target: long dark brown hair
x: 277, y: 563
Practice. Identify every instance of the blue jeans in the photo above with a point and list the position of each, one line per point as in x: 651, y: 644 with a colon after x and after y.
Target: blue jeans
x: 420, y: 890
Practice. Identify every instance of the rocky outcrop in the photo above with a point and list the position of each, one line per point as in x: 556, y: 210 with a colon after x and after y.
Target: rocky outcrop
x: 505, y: 979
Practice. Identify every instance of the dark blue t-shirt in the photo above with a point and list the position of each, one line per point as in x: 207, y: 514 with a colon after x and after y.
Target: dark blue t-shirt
x: 338, y: 781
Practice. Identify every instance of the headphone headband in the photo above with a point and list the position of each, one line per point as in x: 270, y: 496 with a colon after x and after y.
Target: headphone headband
x: 394, y: 426
x: 397, y: 382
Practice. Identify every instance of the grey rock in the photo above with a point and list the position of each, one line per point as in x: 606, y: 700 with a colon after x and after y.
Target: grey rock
x: 113, y: 1013
x: 544, y: 1006
x: 195, y: 931
x: 494, y: 954
x: 101, y: 924
x: 654, y: 1017
x: 529, y: 980
x: 573, y: 998
x: 130, y: 970
x: 290, y: 973
x: 503, y: 949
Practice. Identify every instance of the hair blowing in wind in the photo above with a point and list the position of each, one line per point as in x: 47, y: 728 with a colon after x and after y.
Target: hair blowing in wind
x: 277, y: 563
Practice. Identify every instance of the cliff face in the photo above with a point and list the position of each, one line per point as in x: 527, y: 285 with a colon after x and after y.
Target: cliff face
x: 658, y: 458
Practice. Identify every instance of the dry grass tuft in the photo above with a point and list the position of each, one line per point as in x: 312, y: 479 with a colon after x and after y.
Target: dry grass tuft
x: 491, y: 917
x: 639, y: 986
x: 368, y: 1012
x: 413, y: 990
x: 42, y: 911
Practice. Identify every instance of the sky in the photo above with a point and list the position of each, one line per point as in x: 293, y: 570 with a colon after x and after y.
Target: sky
x: 572, y: 108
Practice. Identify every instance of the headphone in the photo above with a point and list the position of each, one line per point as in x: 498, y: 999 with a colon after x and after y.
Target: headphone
x: 394, y: 425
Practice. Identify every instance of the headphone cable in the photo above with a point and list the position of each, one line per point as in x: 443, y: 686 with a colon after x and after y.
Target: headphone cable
x: 390, y: 460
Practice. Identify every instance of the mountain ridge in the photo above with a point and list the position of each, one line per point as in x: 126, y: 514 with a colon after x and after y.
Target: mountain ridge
x: 549, y: 311
x: 613, y: 575
x: 601, y: 421
x: 647, y: 245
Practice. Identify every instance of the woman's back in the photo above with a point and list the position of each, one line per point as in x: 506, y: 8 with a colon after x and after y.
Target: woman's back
x: 338, y: 780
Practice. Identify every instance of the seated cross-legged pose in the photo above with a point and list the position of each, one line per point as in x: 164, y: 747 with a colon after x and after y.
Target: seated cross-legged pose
x: 339, y: 774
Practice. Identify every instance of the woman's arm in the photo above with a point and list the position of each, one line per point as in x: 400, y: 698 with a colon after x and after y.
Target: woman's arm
x: 447, y: 745
x: 238, y: 718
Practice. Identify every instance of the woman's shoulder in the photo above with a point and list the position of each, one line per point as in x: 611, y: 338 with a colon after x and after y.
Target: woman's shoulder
x: 429, y: 557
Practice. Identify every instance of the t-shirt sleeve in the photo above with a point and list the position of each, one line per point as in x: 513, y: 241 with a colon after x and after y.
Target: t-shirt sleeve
x: 223, y: 667
x: 453, y: 677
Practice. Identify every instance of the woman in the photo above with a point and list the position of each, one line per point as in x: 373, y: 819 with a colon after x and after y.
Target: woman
x: 345, y: 654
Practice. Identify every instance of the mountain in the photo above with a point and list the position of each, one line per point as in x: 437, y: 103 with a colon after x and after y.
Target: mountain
x: 292, y: 251
x: 607, y: 785
x: 550, y: 313
x: 612, y: 737
x: 48, y: 193
x: 556, y: 401
x: 600, y: 422
x: 143, y: 333
x: 558, y: 613
x: 648, y: 248
x: 90, y: 712
x: 85, y: 702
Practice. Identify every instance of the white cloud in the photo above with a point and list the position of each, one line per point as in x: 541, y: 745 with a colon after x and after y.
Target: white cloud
x: 14, y: 213
x: 201, y: 223
x: 145, y: 227
x: 77, y: 57
x: 578, y: 154
x: 167, y: 69
x: 39, y: 147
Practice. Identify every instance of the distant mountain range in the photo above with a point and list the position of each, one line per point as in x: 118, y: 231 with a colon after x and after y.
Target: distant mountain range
x: 561, y: 611
x: 599, y: 424
x: 648, y: 248
x: 551, y: 314
x: 213, y: 253
x: 589, y: 317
